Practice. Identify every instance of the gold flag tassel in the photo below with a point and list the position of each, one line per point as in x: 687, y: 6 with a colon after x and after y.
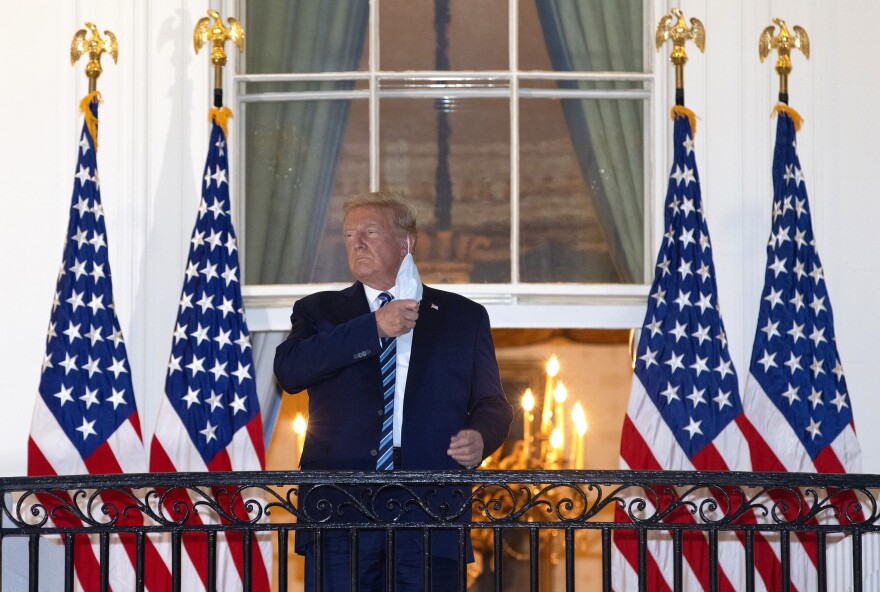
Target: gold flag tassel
x: 91, y: 119
x: 221, y: 115
x: 682, y: 111
x: 795, y: 116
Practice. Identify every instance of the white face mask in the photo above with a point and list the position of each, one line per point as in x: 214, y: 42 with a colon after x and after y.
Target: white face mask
x: 408, y: 282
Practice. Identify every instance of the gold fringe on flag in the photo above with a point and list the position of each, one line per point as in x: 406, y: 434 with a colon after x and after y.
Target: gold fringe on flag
x: 682, y: 111
x: 91, y: 120
x: 795, y: 116
x: 221, y: 115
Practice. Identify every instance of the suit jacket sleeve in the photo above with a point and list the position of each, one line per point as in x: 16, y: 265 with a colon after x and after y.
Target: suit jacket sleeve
x: 317, y: 348
x: 489, y: 411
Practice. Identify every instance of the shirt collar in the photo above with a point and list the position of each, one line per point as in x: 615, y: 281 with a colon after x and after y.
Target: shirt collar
x: 373, y: 293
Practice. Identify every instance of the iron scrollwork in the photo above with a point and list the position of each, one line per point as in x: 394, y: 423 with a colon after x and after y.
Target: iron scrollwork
x: 480, y: 500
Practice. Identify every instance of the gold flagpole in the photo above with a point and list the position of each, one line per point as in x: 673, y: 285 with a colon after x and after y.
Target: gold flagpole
x: 672, y: 26
x: 783, y: 43
x: 218, y: 35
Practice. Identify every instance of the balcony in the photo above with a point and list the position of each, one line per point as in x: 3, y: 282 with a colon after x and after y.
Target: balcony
x: 538, y: 520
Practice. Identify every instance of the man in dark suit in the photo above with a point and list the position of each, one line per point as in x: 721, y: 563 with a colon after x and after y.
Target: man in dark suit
x: 449, y: 410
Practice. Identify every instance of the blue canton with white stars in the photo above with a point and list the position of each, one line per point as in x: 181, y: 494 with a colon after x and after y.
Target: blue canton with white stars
x: 210, y: 381
x: 683, y: 359
x: 86, y: 380
x: 795, y: 358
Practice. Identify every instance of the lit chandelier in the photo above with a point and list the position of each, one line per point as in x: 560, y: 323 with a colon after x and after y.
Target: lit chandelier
x: 545, y: 448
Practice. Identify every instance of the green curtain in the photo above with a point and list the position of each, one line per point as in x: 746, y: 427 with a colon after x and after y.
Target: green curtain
x: 607, y: 135
x: 292, y: 148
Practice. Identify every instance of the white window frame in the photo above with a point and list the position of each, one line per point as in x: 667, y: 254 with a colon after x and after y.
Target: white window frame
x: 510, y: 305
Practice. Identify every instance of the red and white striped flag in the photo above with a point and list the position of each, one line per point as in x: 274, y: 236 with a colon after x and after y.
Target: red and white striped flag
x: 799, y: 412
x: 209, y: 419
x: 85, y: 417
x: 684, y: 411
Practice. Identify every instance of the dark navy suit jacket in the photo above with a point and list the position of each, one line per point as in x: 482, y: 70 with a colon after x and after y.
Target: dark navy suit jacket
x: 452, y: 384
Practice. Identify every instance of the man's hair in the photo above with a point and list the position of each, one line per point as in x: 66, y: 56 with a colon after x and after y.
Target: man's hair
x: 403, y: 214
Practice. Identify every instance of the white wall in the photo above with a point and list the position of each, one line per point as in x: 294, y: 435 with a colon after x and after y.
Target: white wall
x: 834, y: 91
x: 153, y: 142
x: 153, y: 138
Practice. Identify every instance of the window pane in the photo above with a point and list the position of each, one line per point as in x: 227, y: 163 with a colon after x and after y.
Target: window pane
x: 412, y: 37
x: 582, y: 161
x: 581, y: 190
x: 464, y: 234
x: 582, y: 35
x: 303, y: 159
x: 306, y: 36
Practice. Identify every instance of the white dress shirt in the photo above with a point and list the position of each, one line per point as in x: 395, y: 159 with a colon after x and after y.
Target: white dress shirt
x: 404, y: 350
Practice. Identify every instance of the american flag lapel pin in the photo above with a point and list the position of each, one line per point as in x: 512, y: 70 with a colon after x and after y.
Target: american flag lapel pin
x: 434, y: 306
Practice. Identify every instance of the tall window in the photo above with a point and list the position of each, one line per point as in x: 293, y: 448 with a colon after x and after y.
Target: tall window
x: 519, y: 137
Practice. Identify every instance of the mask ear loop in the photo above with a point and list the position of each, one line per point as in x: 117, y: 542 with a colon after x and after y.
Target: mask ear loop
x: 408, y: 246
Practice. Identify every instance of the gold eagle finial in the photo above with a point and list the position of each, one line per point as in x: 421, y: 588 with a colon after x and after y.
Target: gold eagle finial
x: 218, y: 35
x: 673, y: 26
x: 783, y: 43
x: 95, y: 46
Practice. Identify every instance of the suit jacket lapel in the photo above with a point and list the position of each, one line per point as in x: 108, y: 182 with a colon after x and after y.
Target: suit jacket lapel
x: 424, y: 339
x: 355, y: 301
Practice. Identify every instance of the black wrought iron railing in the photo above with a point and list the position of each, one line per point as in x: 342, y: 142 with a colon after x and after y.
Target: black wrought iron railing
x: 507, y: 513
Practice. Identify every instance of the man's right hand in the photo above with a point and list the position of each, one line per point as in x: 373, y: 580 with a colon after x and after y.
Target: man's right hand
x: 397, y: 317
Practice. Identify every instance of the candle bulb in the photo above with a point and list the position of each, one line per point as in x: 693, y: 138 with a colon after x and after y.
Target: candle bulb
x: 560, y: 394
x: 528, y: 403
x: 556, y: 439
x: 579, y: 419
x: 299, y: 428
x: 547, y: 415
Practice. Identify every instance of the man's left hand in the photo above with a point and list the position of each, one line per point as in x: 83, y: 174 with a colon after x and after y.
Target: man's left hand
x: 466, y: 448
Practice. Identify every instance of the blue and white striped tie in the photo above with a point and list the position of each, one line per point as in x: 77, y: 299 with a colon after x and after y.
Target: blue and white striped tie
x: 388, y: 364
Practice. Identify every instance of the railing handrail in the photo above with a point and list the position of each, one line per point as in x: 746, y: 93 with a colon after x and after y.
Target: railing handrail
x: 269, y: 478
x: 447, y: 506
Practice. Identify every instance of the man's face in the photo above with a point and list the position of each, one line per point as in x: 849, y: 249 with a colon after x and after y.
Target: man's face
x: 374, y: 245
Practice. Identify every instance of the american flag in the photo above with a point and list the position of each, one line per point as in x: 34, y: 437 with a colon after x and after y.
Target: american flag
x: 796, y: 397
x: 210, y: 418
x: 85, y: 417
x: 684, y: 400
